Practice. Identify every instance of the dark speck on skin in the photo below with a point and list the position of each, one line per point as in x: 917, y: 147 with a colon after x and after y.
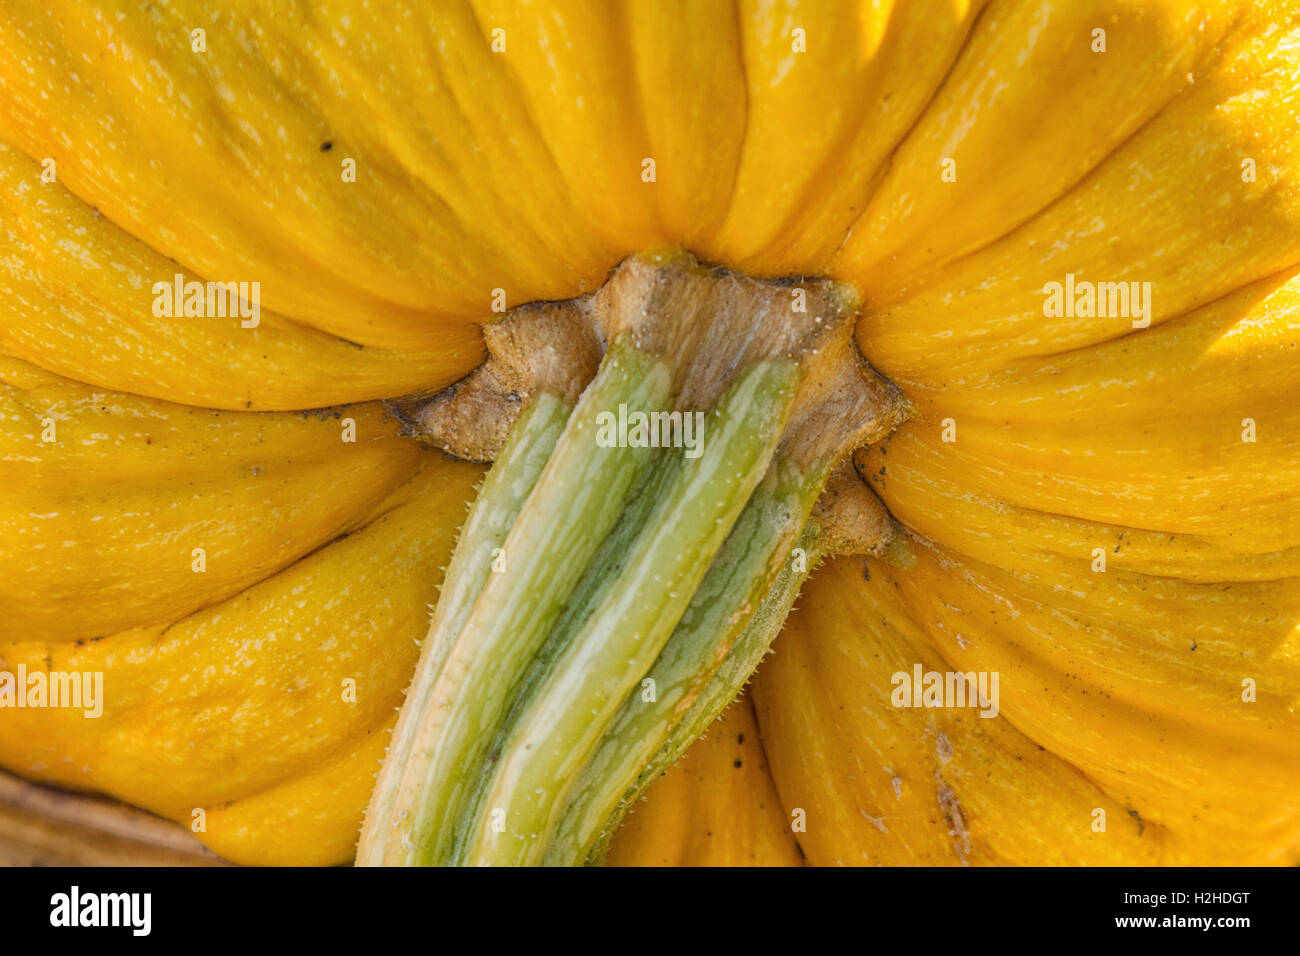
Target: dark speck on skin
x: 326, y: 146
x: 1138, y: 817
x: 738, y: 764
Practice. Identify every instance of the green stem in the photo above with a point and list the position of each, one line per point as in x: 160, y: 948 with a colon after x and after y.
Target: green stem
x: 640, y: 588
x: 741, y: 660
x: 611, y: 559
x: 623, y: 636
x: 739, y: 607
x: 576, y: 501
x: 737, y: 667
x: 499, y: 501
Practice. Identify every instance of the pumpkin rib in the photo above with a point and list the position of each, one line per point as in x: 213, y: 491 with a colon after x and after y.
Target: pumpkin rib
x: 778, y: 217
x: 1089, y: 495
x: 531, y: 252
x: 518, y: 84
x: 713, y: 818
x: 1108, y: 530
x: 89, y: 528
x: 887, y: 159
x: 356, y: 78
x: 294, y: 822
x: 528, y: 111
x: 544, y: 267
x: 283, y: 365
x: 781, y: 700
x: 1199, y: 756
x: 560, y: 52
x: 995, y: 238
x: 627, y: 54
x: 1279, y: 277
x: 744, y: 127
x: 1191, y: 188
x: 149, y: 662
x: 934, y: 739
x: 748, y: 697
x: 465, y: 115
x: 936, y: 480
x: 404, y: 326
x: 854, y: 264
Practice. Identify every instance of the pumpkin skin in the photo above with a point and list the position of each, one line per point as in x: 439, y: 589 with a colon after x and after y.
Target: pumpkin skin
x: 522, y: 171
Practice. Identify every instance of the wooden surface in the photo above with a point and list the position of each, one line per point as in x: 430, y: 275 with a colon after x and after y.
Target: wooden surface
x: 42, y: 826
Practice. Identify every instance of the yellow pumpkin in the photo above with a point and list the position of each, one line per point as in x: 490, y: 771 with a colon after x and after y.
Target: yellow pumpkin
x: 1100, y: 509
